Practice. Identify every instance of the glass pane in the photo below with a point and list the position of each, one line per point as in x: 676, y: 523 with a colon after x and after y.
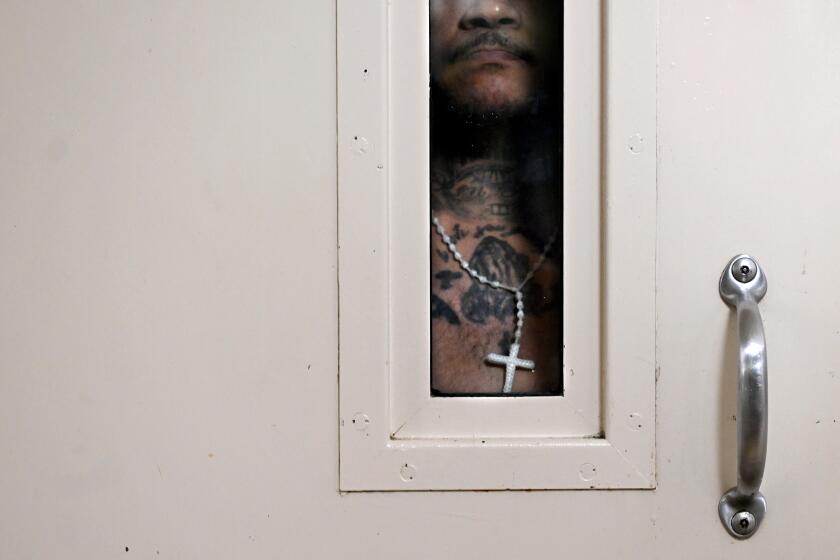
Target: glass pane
x: 496, y: 264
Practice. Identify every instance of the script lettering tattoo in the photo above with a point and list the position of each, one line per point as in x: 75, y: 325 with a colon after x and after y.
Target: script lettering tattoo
x: 458, y: 233
x: 444, y: 255
x: 447, y: 277
x: 489, y: 228
x: 442, y: 310
x: 482, y: 188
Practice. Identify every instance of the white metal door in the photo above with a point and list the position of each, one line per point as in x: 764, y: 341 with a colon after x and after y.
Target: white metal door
x: 168, y: 297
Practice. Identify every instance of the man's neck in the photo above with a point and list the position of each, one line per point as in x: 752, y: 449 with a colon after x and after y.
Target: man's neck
x: 475, y: 188
x: 501, y: 172
x: 497, y: 191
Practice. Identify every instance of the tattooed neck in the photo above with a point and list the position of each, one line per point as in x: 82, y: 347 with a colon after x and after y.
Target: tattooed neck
x: 476, y: 189
x: 494, y: 189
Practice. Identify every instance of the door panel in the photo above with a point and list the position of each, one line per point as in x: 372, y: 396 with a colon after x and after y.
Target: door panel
x: 168, y: 341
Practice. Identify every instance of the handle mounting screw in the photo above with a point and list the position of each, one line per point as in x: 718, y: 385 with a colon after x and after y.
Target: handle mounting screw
x: 743, y: 523
x: 744, y: 270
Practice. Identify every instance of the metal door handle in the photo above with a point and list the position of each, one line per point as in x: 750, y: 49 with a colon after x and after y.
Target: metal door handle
x: 742, y: 285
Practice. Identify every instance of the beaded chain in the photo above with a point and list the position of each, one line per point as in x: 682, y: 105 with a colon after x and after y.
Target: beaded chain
x: 512, y: 361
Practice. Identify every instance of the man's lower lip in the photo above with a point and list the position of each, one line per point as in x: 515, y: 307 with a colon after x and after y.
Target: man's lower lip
x: 493, y: 56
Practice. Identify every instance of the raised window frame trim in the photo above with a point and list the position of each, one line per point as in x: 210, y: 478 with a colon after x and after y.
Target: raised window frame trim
x: 373, y: 456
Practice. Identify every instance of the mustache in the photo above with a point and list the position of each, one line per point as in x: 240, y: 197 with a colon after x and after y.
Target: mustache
x: 494, y: 38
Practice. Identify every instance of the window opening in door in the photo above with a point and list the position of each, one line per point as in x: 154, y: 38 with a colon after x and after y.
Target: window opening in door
x: 496, y: 223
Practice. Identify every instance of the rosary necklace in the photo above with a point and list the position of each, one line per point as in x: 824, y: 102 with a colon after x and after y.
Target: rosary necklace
x: 512, y: 361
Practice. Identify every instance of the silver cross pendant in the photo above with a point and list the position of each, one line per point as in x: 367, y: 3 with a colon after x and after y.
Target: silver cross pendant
x: 511, y: 363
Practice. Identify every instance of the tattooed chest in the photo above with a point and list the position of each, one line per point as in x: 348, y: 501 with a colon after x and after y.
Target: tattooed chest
x: 459, y: 300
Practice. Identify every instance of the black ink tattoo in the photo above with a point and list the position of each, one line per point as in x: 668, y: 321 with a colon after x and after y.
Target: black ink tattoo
x: 442, y: 310
x: 477, y: 186
x: 447, y: 277
x: 496, y: 260
x: 458, y: 233
x: 444, y: 255
x: 489, y: 228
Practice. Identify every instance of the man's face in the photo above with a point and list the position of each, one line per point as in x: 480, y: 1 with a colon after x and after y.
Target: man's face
x: 491, y: 56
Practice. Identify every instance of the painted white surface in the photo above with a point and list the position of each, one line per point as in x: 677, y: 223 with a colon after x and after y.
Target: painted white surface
x: 168, y: 298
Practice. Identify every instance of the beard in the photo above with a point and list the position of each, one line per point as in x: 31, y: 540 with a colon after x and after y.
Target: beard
x: 462, y: 125
x: 483, y: 108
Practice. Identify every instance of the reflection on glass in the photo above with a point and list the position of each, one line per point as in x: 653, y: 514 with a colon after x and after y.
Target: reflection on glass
x: 496, y: 291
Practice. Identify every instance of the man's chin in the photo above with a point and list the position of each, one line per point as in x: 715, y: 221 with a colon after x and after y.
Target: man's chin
x: 491, y: 108
x: 502, y: 93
